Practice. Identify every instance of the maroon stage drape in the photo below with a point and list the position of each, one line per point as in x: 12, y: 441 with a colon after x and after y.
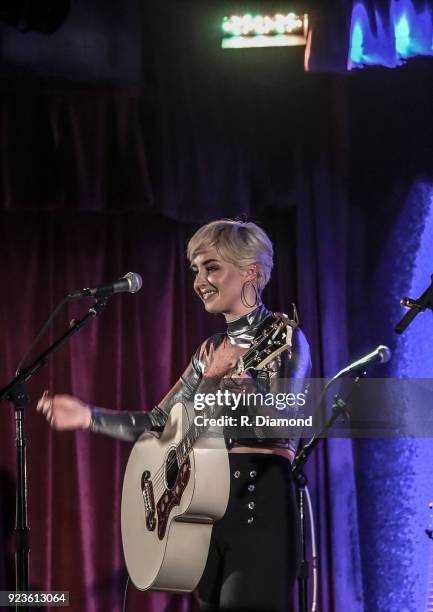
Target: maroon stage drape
x: 100, y: 181
x: 125, y: 359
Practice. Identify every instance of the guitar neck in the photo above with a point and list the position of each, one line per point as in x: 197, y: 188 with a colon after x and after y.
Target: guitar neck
x: 193, y: 433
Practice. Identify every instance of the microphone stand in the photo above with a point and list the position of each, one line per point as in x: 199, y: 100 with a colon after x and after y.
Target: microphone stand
x: 415, y: 307
x: 15, y: 392
x: 339, y: 407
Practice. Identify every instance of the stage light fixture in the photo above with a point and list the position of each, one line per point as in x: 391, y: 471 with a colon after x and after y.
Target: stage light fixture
x: 278, y: 30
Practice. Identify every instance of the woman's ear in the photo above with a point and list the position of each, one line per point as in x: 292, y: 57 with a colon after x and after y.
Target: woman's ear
x: 251, y: 273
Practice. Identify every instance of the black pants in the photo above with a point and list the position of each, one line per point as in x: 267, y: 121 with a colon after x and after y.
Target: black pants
x: 255, y: 548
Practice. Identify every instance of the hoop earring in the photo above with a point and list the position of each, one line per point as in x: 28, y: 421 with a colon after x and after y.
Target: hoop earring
x: 243, y: 298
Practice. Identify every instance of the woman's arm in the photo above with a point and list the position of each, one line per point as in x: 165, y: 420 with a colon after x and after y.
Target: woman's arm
x: 66, y: 412
x: 129, y: 425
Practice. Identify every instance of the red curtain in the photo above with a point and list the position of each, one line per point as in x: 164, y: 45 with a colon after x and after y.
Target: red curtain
x: 127, y: 358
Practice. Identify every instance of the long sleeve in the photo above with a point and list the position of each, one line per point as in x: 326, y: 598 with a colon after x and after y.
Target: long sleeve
x: 129, y: 425
x: 292, y: 374
x: 298, y: 365
x: 290, y: 364
x: 290, y: 378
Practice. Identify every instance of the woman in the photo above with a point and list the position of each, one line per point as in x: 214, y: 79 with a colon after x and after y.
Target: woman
x: 254, y: 553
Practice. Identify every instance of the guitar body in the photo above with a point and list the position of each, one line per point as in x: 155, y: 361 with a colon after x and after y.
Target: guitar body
x: 168, y: 510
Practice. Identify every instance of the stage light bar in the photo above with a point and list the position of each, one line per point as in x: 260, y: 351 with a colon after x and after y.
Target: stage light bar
x: 242, y: 31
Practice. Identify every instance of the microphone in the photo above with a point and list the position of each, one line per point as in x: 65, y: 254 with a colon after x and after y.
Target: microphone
x: 381, y: 354
x: 131, y: 283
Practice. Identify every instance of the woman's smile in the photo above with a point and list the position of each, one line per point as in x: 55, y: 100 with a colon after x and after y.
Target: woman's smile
x: 208, y: 294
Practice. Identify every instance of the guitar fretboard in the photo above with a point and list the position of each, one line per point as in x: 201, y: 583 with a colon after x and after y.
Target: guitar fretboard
x: 193, y: 433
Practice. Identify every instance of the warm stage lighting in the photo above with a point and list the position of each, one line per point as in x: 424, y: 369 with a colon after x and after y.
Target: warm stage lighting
x: 240, y: 31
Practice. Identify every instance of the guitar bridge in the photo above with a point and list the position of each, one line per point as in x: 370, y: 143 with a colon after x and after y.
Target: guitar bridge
x: 149, y: 500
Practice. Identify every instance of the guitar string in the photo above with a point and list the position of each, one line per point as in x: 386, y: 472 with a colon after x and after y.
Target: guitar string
x: 159, y: 478
x: 159, y: 483
x: 160, y: 474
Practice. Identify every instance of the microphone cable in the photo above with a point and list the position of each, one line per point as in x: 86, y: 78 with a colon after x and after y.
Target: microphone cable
x: 41, y: 333
x: 125, y: 594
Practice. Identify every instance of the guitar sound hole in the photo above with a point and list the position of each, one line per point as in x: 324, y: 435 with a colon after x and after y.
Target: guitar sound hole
x: 171, y: 469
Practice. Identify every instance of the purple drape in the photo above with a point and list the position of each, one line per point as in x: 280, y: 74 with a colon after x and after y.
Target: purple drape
x: 322, y: 266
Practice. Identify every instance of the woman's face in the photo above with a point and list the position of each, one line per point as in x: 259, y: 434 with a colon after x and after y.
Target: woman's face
x: 219, y: 284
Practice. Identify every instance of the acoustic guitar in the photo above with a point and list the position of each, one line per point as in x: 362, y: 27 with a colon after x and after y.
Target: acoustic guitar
x: 175, y: 488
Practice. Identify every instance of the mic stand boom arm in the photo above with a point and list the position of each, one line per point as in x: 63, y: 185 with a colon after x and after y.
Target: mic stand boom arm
x: 415, y: 307
x: 339, y: 407
x: 15, y: 392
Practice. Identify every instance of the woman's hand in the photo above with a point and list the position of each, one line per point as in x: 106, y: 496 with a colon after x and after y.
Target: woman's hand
x: 64, y: 412
x: 224, y: 360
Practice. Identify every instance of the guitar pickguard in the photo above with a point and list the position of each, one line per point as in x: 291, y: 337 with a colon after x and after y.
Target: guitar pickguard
x: 172, y: 496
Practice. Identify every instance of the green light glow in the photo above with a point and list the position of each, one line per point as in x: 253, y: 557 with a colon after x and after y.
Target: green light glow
x: 264, y: 30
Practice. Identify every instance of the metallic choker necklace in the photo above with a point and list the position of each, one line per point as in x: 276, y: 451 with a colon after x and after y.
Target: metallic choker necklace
x: 241, y: 331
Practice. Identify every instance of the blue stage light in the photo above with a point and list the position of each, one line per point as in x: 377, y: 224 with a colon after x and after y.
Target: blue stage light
x: 408, y: 32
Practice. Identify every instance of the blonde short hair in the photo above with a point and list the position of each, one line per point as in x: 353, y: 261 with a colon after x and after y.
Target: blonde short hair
x: 240, y: 243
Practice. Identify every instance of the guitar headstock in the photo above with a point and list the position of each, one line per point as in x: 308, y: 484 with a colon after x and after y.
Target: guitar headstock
x: 272, y: 340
